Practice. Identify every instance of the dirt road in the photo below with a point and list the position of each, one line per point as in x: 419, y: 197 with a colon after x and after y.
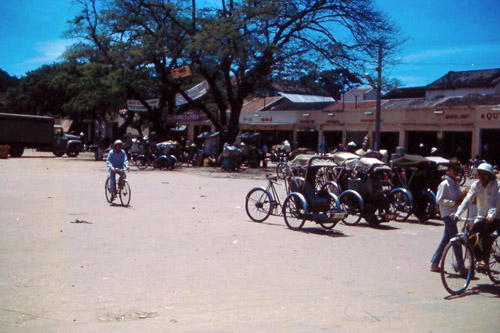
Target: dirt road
x: 184, y: 257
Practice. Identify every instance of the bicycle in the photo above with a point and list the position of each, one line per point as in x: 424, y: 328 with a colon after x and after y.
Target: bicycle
x: 123, y: 191
x: 459, y: 259
x: 261, y: 202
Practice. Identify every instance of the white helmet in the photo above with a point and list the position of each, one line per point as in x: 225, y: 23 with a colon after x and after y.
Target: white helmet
x: 118, y: 142
x: 486, y: 167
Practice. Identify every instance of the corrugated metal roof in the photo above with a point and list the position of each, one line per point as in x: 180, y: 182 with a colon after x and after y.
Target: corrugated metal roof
x: 296, y: 98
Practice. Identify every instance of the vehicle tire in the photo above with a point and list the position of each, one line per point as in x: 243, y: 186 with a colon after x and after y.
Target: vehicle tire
x: 333, y: 209
x: 293, y: 212
x: 401, y: 204
x: 351, y: 204
x: 73, y: 151
x: 141, y: 163
x: 332, y: 187
x: 125, y: 194
x: 455, y: 279
x: 461, y: 179
x: 16, y: 151
x: 282, y: 170
x: 494, y: 261
x: 258, y: 204
x: 106, y: 190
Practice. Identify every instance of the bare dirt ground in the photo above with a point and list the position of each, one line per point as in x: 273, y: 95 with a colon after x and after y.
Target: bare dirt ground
x: 184, y: 257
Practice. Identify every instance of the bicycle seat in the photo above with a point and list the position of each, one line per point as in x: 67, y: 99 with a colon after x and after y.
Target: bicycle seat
x: 272, y: 177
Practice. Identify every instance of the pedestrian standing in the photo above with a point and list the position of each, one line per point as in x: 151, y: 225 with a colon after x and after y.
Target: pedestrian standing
x: 448, y: 198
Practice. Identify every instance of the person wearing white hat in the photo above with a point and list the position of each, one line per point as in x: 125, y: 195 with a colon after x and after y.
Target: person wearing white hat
x: 117, y: 164
x: 485, y: 191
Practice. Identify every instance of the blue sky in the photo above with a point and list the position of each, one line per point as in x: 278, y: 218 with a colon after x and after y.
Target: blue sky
x: 442, y: 35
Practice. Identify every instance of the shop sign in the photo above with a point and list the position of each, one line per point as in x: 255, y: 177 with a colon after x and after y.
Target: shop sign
x: 307, y: 121
x: 370, y: 120
x: 187, y: 117
x: 457, y: 116
x: 491, y: 116
x: 266, y: 119
x: 136, y: 105
x: 333, y: 122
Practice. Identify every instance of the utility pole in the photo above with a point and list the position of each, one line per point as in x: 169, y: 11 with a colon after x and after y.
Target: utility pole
x: 379, y: 89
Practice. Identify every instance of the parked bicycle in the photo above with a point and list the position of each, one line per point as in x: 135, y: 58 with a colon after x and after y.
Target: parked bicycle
x: 122, y: 190
x: 262, y: 202
x: 458, y: 263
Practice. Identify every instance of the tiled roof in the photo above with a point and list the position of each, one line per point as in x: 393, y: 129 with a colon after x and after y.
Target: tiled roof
x: 348, y: 105
x: 259, y: 103
x: 467, y: 79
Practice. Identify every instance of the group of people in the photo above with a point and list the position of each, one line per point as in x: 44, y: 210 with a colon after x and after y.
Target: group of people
x: 482, y: 200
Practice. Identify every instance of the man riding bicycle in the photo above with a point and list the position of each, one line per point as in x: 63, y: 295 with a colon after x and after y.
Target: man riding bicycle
x: 117, y: 164
x: 485, y: 191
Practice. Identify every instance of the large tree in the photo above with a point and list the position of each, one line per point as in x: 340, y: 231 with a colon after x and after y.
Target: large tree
x: 233, y: 46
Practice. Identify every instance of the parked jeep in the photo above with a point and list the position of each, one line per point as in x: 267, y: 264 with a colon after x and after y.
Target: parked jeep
x: 66, y: 143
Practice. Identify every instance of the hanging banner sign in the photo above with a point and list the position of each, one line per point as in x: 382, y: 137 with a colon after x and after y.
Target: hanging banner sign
x: 136, y: 105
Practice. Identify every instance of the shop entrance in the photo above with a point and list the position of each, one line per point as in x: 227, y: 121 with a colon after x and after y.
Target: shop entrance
x: 356, y: 137
x: 490, y: 145
x: 415, y: 138
x: 389, y: 141
x: 457, y: 144
x: 307, y: 139
x: 332, y: 139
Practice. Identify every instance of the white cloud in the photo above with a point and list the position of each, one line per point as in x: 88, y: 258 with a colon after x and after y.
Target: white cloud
x: 430, y: 54
x: 48, y: 52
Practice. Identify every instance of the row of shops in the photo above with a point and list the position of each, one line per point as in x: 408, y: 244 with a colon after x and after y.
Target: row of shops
x: 452, y: 124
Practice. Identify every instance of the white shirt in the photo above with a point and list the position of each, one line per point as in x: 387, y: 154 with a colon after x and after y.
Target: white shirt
x: 448, y: 196
x: 486, y: 198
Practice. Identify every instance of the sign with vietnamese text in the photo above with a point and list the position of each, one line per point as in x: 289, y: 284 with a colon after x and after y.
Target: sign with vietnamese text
x: 136, y: 105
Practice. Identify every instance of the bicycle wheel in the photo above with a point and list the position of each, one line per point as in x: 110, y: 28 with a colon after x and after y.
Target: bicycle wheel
x: 258, y: 204
x: 141, y: 162
x: 462, y: 179
x: 457, y: 267
x: 494, y: 261
x: 106, y: 190
x: 333, y: 209
x: 125, y: 194
x: 293, y: 212
x: 352, y: 206
x: 331, y: 187
x: 401, y: 203
x: 282, y: 170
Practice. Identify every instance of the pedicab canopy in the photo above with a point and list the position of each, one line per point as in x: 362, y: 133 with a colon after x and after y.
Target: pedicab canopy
x: 442, y: 163
x: 370, y: 164
x: 409, y: 161
x: 342, y: 157
x: 300, y: 160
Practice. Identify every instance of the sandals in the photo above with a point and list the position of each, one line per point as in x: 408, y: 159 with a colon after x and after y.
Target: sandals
x: 435, y: 268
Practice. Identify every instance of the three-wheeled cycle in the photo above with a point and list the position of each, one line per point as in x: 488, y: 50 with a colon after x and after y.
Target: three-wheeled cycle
x: 418, y: 175
x: 370, y: 178
x: 306, y: 203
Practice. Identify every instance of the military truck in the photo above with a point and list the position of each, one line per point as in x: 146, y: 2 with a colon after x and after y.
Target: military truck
x: 27, y: 131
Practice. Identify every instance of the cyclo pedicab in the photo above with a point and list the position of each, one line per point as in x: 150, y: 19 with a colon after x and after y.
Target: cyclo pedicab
x: 371, y: 179
x: 420, y: 176
x: 303, y: 202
